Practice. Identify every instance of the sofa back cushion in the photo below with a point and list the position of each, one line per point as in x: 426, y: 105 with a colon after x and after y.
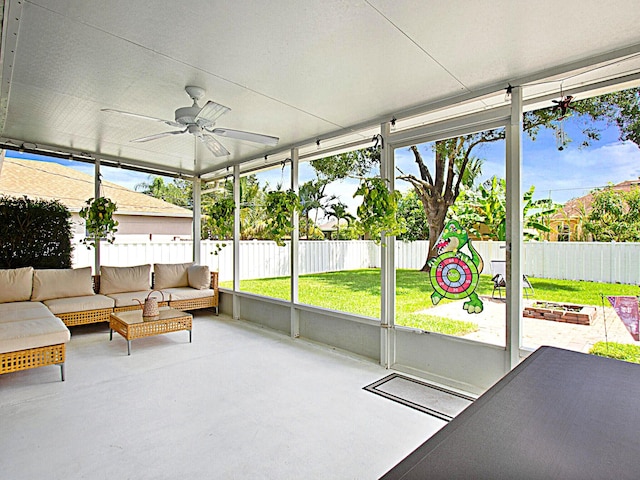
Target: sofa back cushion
x: 124, y: 279
x: 170, y: 275
x: 61, y: 283
x: 16, y: 284
x: 199, y: 277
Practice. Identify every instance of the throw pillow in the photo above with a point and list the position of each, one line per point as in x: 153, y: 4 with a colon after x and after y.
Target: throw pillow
x: 170, y: 275
x: 199, y: 277
x: 16, y: 284
x: 61, y: 283
x: 124, y: 279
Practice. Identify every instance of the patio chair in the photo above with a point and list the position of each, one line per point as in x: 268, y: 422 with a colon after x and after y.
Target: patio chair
x: 499, y: 271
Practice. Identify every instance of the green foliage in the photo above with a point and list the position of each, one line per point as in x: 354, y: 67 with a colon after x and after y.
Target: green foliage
x: 348, y: 233
x: 354, y: 163
x: 410, y: 208
x: 620, y: 351
x: 483, y: 212
x: 220, y: 221
x: 492, y: 207
x: 339, y: 211
x: 536, y: 215
x: 100, y: 225
x: 280, y: 206
x: 310, y: 229
x: 466, y: 213
x: 178, y: 191
x: 614, y: 216
x: 377, y: 215
x: 312, y: 197
x: 34, y: 233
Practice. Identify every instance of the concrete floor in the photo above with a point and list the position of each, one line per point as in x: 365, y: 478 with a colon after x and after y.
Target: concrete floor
x: 239, y: 402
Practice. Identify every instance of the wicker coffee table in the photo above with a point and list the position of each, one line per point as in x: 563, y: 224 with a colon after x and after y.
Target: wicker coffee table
x: 132, y: 324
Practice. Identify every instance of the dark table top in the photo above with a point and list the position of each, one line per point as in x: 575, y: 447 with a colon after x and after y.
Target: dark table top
x: 559, y: 414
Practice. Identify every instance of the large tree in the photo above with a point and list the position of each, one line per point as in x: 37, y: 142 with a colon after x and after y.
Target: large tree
x: 439, y: 188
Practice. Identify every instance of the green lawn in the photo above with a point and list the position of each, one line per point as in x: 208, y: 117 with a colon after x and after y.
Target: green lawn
x: 358, y: 292
x: 619, y: 351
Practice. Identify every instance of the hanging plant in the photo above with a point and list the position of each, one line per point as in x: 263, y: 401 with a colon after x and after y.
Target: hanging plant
x: 377, y: 215
x: 280, y: 206
x: 221, y: 221
x: 100, y: 225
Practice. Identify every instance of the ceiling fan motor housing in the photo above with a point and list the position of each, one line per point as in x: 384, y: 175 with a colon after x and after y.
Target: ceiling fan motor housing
x: 187, y: 116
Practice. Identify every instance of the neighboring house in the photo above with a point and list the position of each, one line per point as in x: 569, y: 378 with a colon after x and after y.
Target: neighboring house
x: 330, y: 229
x: 141, y: 217
x: 567, y: 224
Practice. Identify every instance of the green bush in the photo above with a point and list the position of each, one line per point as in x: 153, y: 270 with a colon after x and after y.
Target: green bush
x: 34, y: 233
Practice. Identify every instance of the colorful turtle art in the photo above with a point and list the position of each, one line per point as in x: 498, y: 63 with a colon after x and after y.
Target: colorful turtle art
x: 454, y: 274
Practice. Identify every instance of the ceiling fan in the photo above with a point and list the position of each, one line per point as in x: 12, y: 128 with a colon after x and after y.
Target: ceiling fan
x: 199, y: 122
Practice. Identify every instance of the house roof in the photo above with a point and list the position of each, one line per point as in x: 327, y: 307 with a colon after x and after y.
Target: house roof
x: 582, y: 205
x: 50, y: 181
x: 305, y: 71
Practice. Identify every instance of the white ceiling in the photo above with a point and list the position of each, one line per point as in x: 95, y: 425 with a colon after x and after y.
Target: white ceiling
x: 301, y: 71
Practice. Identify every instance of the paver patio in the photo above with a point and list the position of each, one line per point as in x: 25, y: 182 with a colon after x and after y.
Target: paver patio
x: 491, y: 327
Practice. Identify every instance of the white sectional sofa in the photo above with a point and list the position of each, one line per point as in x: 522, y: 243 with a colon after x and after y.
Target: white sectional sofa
x: 37, y: 306
x: 30, y: 334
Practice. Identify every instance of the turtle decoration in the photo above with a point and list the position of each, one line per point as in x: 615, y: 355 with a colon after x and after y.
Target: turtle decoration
x: 453, y: 273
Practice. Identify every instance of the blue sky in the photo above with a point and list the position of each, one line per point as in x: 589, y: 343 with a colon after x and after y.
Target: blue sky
x: 562, y: 175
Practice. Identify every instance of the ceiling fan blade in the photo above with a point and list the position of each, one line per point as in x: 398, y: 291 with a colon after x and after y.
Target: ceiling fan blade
x: 251, y: 137
x: 211, y: 112
x: 214, y: 146
x: 171, y: 123
x: 159, y: 135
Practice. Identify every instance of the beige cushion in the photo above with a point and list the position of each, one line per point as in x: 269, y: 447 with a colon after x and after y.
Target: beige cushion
x: 17, y: 311
x: 16, y: 284
x: 61, y: 283
x: 199, y: 277
x: 124, y: 279
x: 79, y: 304
x: 6, y: 307
x: 171, y: 275
x: 38, y: 332
x: 129, y: 298
x: 187, y: 293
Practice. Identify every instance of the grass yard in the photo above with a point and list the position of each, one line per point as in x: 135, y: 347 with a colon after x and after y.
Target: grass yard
x: 619, y: 351
x: 358, y: 292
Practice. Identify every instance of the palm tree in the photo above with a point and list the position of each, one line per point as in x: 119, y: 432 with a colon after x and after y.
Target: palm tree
x: 311, y: 198
x: 339, y: 211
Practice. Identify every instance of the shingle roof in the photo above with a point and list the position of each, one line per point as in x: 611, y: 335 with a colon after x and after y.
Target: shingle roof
x: 48, y: 181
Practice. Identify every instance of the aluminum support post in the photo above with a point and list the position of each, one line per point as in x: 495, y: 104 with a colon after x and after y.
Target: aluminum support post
x: 387, y: 256
x: 294, y: 266
x: 236, y: 242
x: 197, y: 214
x: 514, y: 228
x: 97, y: 181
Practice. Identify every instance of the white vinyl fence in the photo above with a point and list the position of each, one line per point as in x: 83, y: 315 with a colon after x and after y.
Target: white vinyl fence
x: 598, y: 262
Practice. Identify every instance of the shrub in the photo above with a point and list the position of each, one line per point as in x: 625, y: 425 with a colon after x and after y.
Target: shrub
x: 34, y: 233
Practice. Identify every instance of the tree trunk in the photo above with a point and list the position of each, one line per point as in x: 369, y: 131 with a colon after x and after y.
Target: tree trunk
x: 436, y: 225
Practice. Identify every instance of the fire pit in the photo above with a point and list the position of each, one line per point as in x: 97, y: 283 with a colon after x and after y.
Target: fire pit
x: 561, y: 312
